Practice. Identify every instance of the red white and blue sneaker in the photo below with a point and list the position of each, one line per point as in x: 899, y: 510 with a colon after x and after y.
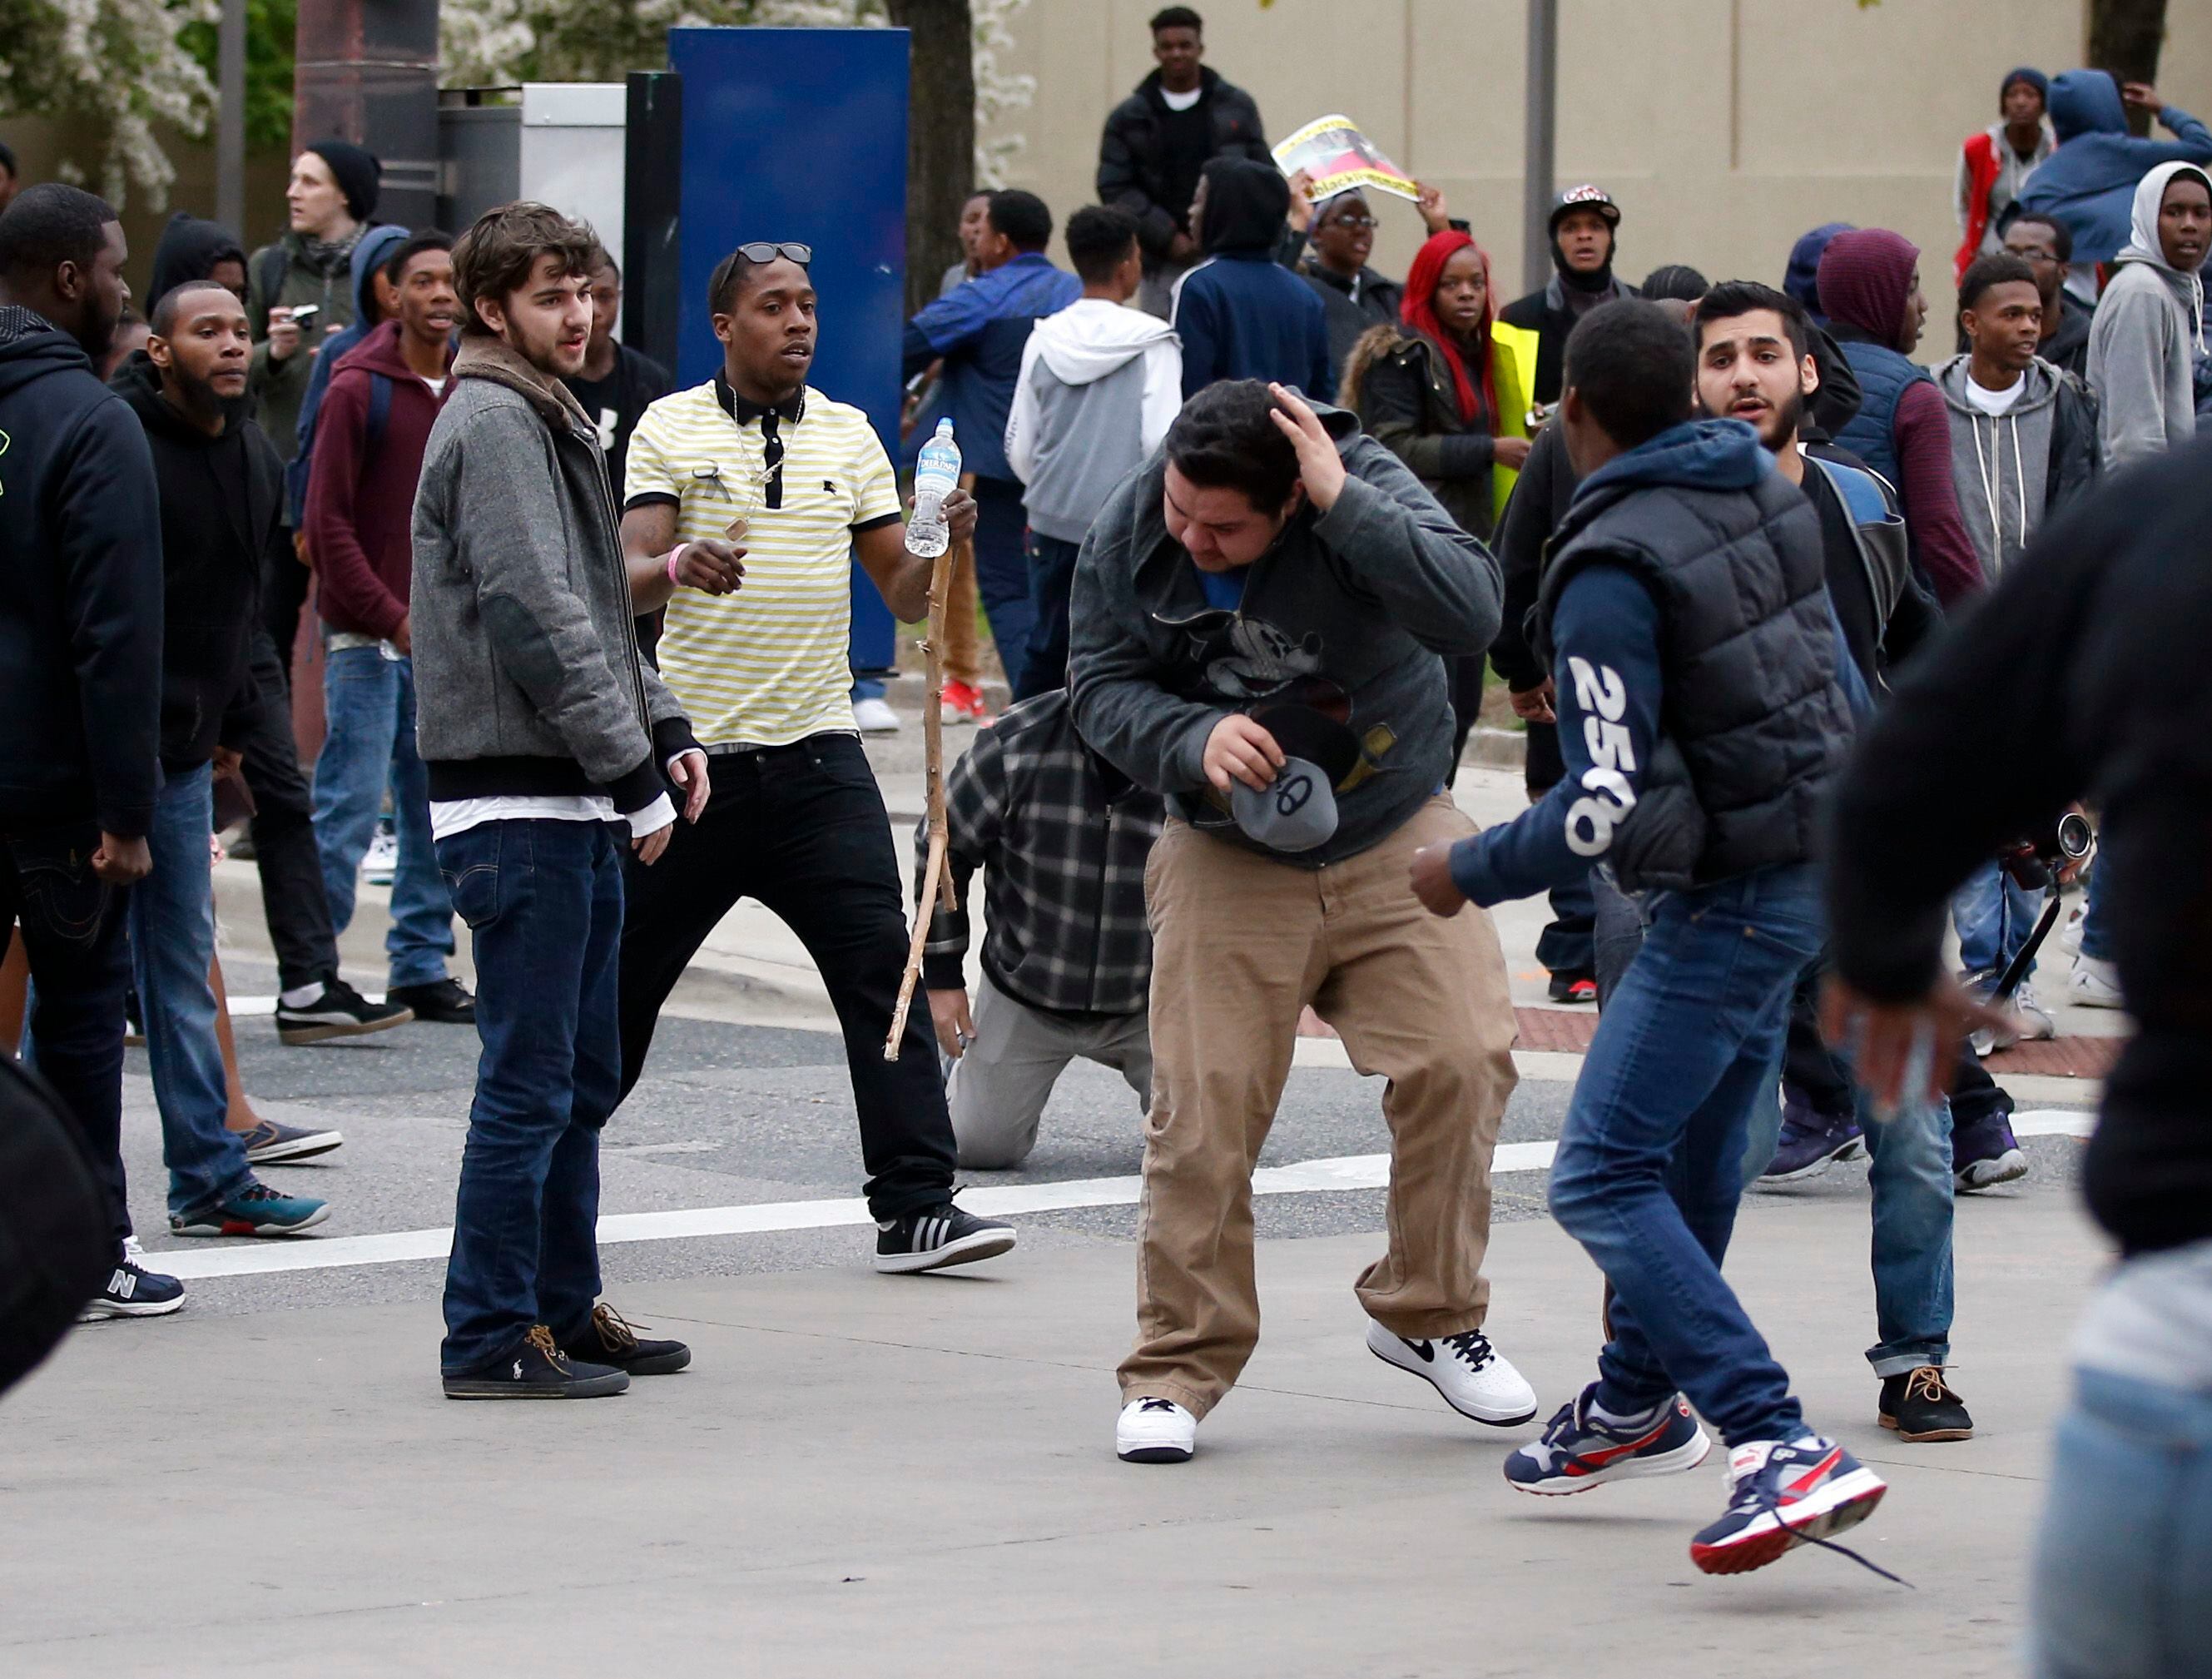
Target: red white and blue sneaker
x: 1782, y: 1495
x: 1581, y: 1449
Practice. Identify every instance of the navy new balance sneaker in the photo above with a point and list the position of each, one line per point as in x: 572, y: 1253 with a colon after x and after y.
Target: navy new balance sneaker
x: 1783, y: 1494
x: 1579, y: 1450
x: 133, y: 1291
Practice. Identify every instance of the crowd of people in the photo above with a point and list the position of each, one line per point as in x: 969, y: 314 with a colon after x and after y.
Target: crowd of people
x: 1246, y: 551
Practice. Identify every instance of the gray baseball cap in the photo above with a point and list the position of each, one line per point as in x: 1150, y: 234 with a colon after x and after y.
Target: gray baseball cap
x: 1298, y: 810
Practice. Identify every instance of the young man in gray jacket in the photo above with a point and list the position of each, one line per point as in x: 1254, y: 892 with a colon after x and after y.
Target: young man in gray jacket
x: 1099, y: 385
x: 542, y: 729
x: 1261, y: 616
x: 2149, y: 325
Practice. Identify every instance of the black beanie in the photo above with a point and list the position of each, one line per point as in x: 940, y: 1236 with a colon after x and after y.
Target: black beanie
x: 356, y: 172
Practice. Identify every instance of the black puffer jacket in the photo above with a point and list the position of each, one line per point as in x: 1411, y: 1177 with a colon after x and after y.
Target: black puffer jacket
x: 1731, y: 551
x: 1396, y: 380
x: 1132, y: 163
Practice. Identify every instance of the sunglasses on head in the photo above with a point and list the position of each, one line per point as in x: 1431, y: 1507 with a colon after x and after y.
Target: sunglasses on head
x: 761, y: 250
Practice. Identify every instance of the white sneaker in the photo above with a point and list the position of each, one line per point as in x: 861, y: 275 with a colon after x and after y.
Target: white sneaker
x: 2094, y: 984
x: 876, y: 717
x: 380, y: 865
x: 2071, y: 934
x: 1155, y: 1431
x: 1473, y: 1376
x: 2035, y: 1021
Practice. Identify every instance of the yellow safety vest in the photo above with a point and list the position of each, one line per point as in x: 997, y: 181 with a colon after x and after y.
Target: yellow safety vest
x: 1513, y: 371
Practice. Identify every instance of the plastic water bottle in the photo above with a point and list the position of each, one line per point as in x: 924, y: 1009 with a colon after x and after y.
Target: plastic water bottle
x: 936, y: 475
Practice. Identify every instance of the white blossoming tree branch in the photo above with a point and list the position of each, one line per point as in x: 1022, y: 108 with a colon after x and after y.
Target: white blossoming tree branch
x: 111, y: 68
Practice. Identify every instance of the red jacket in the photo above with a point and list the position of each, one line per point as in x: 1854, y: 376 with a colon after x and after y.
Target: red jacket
x: 360, y: 502
x: 1982, y: 166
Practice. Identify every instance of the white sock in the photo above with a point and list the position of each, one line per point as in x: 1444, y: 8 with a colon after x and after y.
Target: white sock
x: 300, y: 996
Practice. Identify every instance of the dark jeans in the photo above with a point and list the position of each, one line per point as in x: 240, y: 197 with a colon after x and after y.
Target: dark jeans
x: 1817, y: 1078
x: 284, y: 593
x: 1465, y: 673
x: 1650, y: 1163
x: 544, y: 902
x: 802, y: 828
x: 1052, y: 571
x: 283, y: 828
x: 77, y: 938
x: 1569, y: 944
x: 1002, y: 573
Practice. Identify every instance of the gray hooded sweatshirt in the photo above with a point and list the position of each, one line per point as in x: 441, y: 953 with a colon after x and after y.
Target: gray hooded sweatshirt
x: 2011, y: 469
x: 2146, y: 335
x: 1100, y: 385
x: 1350, y: 611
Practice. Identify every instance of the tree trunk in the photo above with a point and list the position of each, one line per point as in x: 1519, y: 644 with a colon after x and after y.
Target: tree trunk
x: 2125, y: 37
x: 940, y: 140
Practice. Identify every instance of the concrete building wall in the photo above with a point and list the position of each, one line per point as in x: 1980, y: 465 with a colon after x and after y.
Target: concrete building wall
x: 1724, y: 128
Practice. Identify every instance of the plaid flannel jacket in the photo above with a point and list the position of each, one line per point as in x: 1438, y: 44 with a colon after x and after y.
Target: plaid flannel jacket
x: 1063, y: 838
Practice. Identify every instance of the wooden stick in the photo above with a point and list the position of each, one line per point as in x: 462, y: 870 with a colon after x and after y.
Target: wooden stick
x: 936, y: 879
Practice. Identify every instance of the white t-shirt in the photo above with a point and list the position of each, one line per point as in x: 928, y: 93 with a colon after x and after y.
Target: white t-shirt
x: 1994, y: 403
x: 1183, y: 101
x: 449, y: 817
x: 437, y: 385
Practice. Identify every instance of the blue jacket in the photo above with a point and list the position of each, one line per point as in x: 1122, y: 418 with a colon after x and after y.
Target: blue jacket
x: 373, y: 252
x: 1883, y: 374
x: 978, y: 329
x: 2089, y: 182
x: 1242, y: 315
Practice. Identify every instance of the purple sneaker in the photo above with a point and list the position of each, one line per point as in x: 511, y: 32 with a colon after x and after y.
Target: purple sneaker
x: 1809, y: 1142
x: 1985, y: 1154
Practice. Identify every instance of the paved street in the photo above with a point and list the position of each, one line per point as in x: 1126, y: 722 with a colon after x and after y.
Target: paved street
x: 863, y: 1472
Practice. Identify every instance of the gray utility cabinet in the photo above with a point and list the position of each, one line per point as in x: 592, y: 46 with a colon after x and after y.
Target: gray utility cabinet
x: 559, y: 143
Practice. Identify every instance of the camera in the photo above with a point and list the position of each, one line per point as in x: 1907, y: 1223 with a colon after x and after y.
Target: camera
x: 2033, y: 861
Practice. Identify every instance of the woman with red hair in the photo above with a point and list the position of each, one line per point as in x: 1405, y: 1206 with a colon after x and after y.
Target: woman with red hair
x: 1447, y: 390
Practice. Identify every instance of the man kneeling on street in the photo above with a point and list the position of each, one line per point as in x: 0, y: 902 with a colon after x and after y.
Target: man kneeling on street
x: 1066, y: 954
x: 1261, y: 616
x: 541, y: 728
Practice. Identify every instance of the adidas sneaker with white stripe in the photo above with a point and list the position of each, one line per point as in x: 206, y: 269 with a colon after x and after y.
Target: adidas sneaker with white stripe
x: 931, y: 1238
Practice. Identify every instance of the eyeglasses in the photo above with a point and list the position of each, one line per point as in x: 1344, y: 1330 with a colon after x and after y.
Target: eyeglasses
x: 761, y: 250
x: 1352, y: 222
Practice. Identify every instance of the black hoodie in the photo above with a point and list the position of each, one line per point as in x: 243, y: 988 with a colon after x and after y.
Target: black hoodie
x: 189, y: 250
x: 222, y: 501
x: 80, y: 590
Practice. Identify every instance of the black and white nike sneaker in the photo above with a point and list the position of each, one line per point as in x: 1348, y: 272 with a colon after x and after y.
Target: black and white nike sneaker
x: 340, y: 1011
x: 932, y: 1237
x: 1475, y: 1377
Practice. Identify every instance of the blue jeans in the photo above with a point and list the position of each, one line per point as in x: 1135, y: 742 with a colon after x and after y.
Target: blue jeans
x: 1994, y: 913
x: 172, y: 944
x: 2123, y: 1571
x: 1002, y: 572
x: 2096, y: 922
x: 1649, y: 1164
x: 1052, y: 575
x: 1909, y: 1174
x: 368, y: 707
x: 544, y: 902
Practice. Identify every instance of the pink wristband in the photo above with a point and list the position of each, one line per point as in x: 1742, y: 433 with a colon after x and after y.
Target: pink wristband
x: 672, y: 554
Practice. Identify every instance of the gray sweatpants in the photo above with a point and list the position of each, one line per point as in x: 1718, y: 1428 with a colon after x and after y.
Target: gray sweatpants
x: 997, y: 1090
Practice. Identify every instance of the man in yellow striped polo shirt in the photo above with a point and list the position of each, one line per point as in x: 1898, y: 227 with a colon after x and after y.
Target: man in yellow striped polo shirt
x: 759, y: 614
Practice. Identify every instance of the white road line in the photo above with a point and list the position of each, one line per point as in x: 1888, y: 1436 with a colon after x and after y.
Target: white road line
x: 1348, y: 1171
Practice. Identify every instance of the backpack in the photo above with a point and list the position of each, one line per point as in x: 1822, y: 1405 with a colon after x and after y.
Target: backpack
x: 296, y: 469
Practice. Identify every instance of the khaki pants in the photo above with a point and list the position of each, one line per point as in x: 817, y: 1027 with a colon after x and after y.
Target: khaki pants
x: 1240, y: 945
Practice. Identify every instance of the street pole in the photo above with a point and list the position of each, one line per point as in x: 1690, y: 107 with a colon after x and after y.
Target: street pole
x: 1543, y: 109
x: 230, y: 118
